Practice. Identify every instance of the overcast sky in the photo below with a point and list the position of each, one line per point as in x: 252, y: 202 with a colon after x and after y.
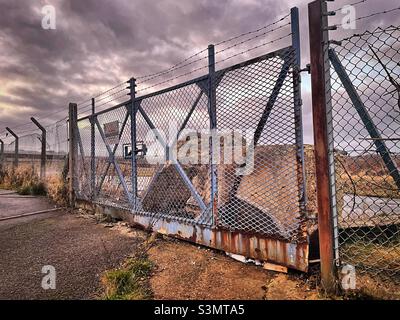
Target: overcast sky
x: 99, y: 43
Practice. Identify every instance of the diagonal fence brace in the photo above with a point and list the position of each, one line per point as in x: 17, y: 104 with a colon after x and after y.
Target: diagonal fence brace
x: 369, y: 124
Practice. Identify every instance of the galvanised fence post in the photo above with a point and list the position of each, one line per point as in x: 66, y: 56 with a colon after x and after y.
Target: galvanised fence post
x: 15, y: 163
x: 323, y: 140
x: 73, y: 151
x: 214, y: 141
x: 133, y: 112
x: 93, y: 153
x: 43, y: 149
x: 298, y: 119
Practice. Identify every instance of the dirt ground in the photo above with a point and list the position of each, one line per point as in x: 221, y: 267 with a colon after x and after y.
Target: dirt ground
x: 81, y: 248
x: 185, y: 271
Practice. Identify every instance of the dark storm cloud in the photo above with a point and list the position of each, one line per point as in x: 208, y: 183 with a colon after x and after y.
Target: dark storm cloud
x: 99, y: 43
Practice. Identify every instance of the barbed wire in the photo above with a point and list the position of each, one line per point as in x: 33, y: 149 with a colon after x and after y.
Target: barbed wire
x: 252, y: 38
x: 227, y: 58
x: 253, y: 31
x: 113, y: 99
x: 180, y: 65
x: 183, y: 63
x: 113, y: 88
x: 171, y: 79
x: 368, y: 32
x: 254, y: 48
x: 372, y: 15
x: 174, y: 66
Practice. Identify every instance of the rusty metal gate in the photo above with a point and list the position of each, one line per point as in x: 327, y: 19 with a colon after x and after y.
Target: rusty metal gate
x: 255, y: 206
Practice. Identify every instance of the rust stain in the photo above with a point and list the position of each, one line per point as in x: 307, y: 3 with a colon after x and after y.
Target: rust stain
x: 259, y: 247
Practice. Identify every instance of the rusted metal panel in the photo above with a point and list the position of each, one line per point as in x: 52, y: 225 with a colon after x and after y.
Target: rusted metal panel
x: 251, y: 246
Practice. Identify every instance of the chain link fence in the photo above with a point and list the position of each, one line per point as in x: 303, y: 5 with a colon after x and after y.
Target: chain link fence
x: 222, y: 150
x: 29, y: 151
x: 365, y: 108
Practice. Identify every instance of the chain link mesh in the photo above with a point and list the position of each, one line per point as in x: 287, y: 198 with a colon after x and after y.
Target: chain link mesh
x: 255, y: 100
x: 368, y: 197
x: 266, y: 200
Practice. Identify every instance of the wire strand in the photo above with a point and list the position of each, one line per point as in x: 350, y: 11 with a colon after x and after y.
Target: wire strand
x: 253, y: 31
x: 254, y: 48
x: 252, y: 38
x: 171, y: 79
x: 173, y: 67
x: 373, y: 15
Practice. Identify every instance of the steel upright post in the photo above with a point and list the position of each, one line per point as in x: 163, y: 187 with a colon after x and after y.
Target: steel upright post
x: 43, y: 155
x: 73, y: 151
x: 1, y: 152
x: 15, y: 163
x: 93, y: 152
x: 133, y: 112
x: 214, y: 143
x: 323, y: 130
x: 295, y: 25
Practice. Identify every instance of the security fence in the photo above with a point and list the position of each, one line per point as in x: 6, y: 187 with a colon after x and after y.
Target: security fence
x: 365, y: 109
x: 356, y: 104
x: 235, y: 161
x: 44, y: 149
x: 219, y: 159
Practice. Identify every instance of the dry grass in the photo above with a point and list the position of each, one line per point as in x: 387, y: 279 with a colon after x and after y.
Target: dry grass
x: 373, y: 288
x: 25, y: 180
x: 370, y: 185
x: 57, y: 190
x: 377, y: 266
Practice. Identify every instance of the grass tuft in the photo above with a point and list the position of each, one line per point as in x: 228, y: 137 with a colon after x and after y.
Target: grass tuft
x: 129, y: 282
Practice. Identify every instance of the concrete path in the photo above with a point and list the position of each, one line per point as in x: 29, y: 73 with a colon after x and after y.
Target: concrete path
x: 78, y: 247
x: 12, y: 204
